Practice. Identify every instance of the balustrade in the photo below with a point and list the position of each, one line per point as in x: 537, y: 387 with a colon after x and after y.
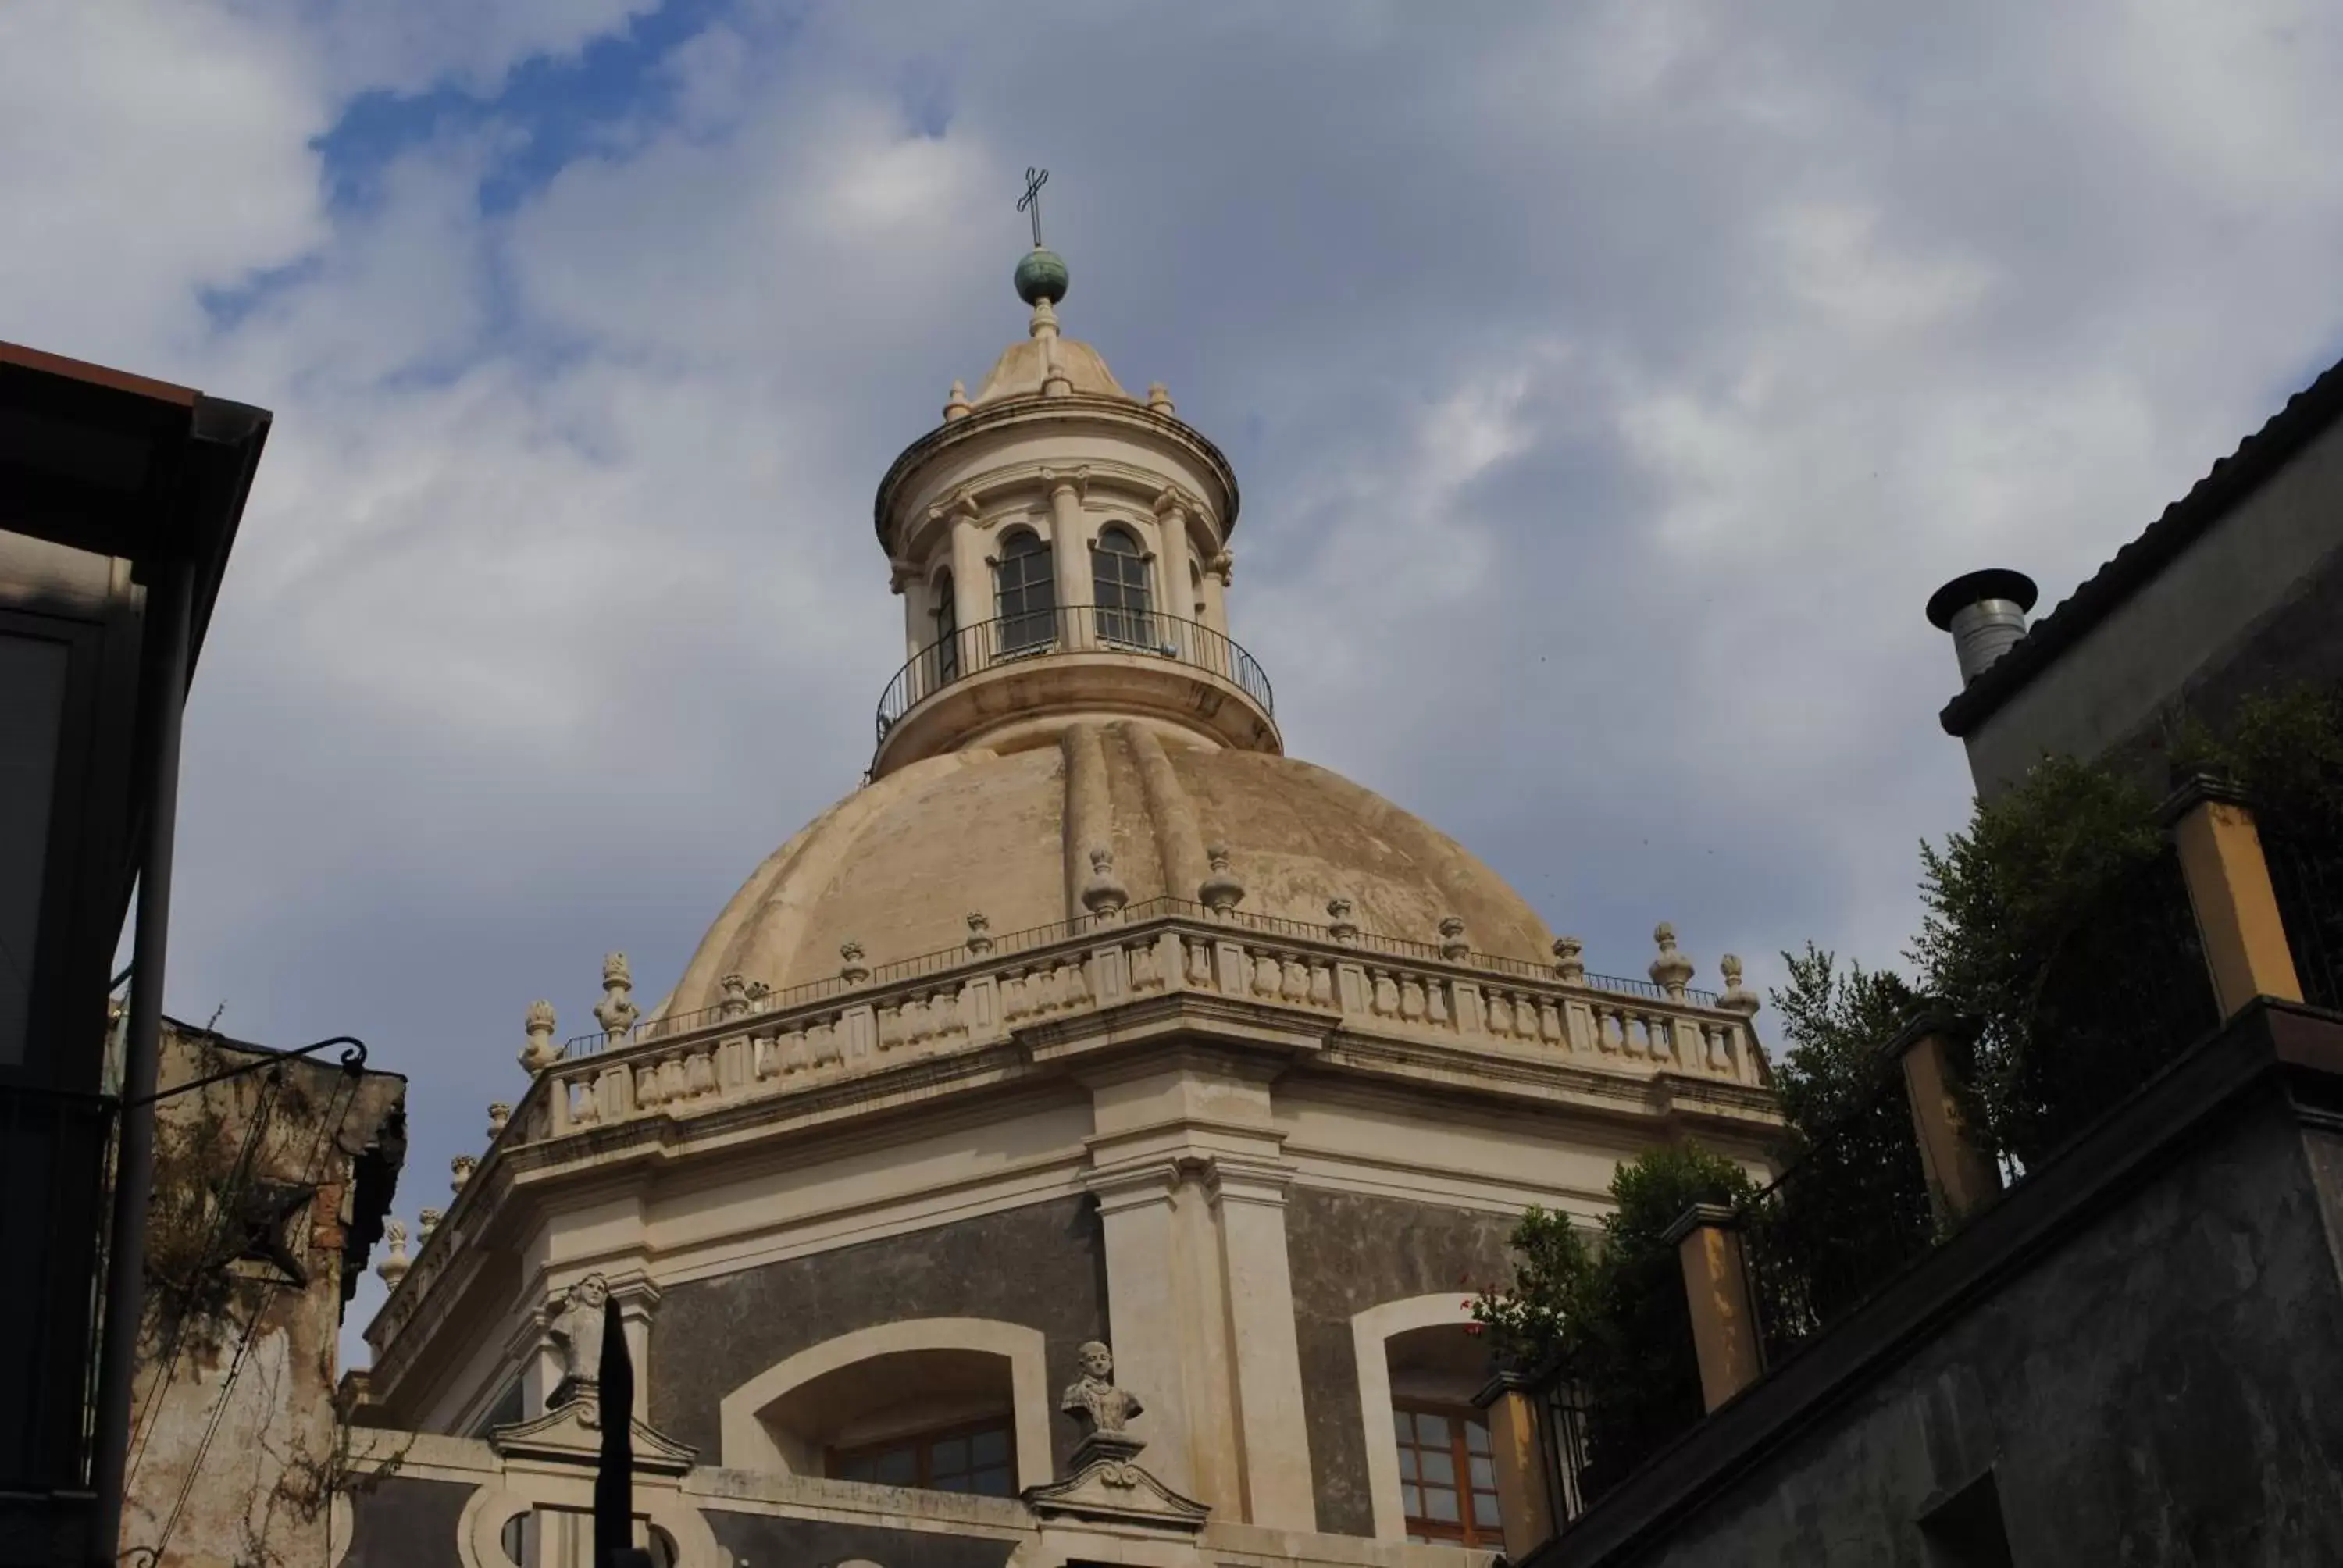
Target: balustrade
x: 732, y: 1053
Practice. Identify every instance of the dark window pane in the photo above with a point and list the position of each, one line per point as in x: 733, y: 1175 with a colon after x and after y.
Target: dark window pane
x: 989, y: 1447
x: 1439, y: 1467
x: 1440, y: 1505
x: 1484, y: 1474
x: 1485, y: 1509
x: 951, y: 1456
x: 1412, y: 1501
x: 896, y: 1467
x: 1431, y: 1430
x: 994, y: 1482
x: 1477, y: 1436
x: 1406, y: 1425
x: 1407, y: 1464
x: 32, y: 715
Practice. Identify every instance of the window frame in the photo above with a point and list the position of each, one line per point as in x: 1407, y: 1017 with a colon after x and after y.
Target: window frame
x: 1029, y: 627
x: 923, y: 1445
x: 943, y: 611
x: 1466, y: 1531
x: 1120, y: 621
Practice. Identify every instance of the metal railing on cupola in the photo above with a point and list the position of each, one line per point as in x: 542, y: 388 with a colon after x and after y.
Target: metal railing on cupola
x: 1078, y: 629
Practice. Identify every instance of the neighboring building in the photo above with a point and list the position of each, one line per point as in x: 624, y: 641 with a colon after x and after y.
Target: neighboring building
x: 119, y: 500
x: 2237, y: 589
x: 271, y: 1187
x: 2125, y: 1361
x: 1090, y: 1017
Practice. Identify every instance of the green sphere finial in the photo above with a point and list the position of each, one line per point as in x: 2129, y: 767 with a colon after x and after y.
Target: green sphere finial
x: 1042, y: 275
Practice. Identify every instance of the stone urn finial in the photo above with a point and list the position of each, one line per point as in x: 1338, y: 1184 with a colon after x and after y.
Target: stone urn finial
x: 1338, y: 924
x: 1220, y: 891
x: 979, y: 933
x: 500, y: 1113
x: 956, y: 407
x: 1159, y: 398
x: 1670, y: 969
x: 735, y: 1002
x: 1452, y: 945
x: 1569, y: 963
x: 394, y: 1263
x: 460, y: 1170
x: 426, y: 1222
x: 1104, y: 895
x: 540, y: 1052
x: 616, y: 1011
x: 1736, y: 998
x: 760, y: 996
x: 850, y: 967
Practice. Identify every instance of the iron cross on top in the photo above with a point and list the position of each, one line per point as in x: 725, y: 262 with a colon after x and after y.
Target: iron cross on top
x: 1030, y: 202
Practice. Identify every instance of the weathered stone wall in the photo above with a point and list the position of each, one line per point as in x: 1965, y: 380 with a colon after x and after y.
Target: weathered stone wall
x: 1351, y: 1252
x: 235, y: 1442
x: 2155, y: 1392
x: 1040, y: 1266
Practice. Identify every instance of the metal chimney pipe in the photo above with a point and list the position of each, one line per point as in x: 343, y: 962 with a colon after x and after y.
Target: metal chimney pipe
x: 1985, y: 613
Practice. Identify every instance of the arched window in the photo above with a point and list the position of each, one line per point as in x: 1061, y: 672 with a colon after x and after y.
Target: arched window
x: 1119, y: 577
x: 1025, y: 594
x: 947, y: 618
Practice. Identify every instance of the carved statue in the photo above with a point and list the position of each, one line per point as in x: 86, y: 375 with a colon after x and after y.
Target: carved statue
x: 616, y: 1011
x: 1094, y: 1400
x: 576, y: 1331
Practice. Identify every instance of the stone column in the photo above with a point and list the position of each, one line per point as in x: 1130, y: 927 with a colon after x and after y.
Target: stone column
x: 1135, y: 1220
x: 1249, y: 1197
x: 972, y: 588
x: 1963, y: 1177
x: 1175, y: 597
x: 1070, y: 553
x: 2229, y: 888
x: 1717, y: 1288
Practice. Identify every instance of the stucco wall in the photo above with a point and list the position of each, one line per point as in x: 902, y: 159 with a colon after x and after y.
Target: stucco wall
x: 407, y: 1521
x: 1351, y: 1252
x: 1040, y: 1266
x: 2157, y: 1392
x: 2273, y: 560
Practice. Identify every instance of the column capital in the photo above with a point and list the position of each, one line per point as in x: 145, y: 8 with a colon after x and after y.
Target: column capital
x: 1240, y: 1179
x: 1134, y: 1185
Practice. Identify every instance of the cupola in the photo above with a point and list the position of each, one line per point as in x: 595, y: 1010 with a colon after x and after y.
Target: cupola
x: 1062, y: 551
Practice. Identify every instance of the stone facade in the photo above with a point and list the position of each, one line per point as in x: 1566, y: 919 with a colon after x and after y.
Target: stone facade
x: 1090, y: 1017
x: 270, y: 1188
x: 2120, y: 1364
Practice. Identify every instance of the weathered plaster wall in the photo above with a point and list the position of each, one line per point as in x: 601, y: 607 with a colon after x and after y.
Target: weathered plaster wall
x: 406, y: 1522
x: 2238, y: 596
x: 1040, y: 1265
x: 1349, y: 1251
x: 2157, y: 1392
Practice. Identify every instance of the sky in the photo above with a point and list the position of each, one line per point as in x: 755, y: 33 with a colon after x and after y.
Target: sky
x: 1610, y: 384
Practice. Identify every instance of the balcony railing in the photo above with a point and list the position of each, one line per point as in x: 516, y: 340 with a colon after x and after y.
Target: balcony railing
x: 1069, y: 629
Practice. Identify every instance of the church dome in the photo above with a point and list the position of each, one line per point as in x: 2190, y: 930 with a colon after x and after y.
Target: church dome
x: 896, y: 867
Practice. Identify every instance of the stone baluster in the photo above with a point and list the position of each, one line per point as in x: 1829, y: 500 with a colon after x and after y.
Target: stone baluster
x: 539, y: 1053
x: 394, y: 1263
x: 1453, y: 947
x: 1104, y: 896
x: 1338, y: 924
x: 616, y: 1011
x: 1265, y: 974
x: 1221, y: 892
x: 1670, y: 969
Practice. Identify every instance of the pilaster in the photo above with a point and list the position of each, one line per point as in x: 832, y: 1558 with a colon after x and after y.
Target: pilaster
x: 1249, y: 1201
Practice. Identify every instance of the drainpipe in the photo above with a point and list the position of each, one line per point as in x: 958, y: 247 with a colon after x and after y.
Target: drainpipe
x: 170, y: 608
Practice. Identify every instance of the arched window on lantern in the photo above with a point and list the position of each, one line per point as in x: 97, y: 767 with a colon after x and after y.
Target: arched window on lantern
x: 1119, y: 580
x: 1025, y: 594
x: 946, y: 615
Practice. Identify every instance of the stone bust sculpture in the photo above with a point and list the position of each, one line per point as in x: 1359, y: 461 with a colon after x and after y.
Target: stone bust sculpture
x: 1094, y: 1400
x: 577, y: 1330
